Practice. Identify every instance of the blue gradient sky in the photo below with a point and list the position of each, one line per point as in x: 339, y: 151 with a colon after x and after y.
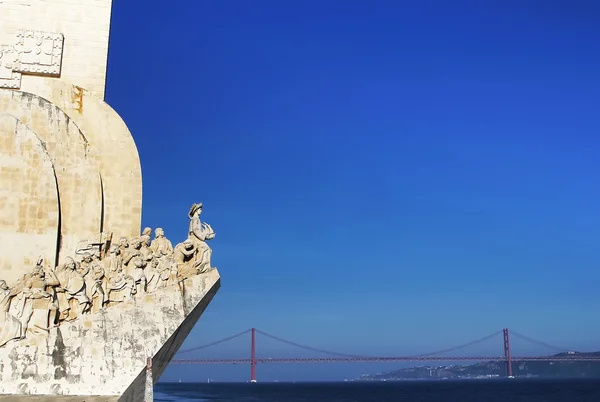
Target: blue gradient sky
x: 384, y: 177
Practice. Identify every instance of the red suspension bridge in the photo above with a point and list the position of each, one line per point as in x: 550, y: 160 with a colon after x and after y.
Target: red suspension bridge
x: 336, y: 357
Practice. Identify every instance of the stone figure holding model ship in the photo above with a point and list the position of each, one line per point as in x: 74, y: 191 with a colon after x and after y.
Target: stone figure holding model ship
x: 199, y: 233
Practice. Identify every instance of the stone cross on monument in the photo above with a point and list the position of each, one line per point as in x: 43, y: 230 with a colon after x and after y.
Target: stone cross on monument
x: 86, y: 295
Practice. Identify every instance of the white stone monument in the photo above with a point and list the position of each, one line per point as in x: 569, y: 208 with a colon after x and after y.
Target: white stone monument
x: 85, y: 295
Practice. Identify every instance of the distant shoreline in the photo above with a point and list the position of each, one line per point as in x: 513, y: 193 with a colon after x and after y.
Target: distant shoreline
x: 445, y: 380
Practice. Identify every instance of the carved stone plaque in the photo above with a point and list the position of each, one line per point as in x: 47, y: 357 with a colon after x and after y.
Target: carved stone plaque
x: 9, y: 59
x: 40, y: 52
x: 11, y: 83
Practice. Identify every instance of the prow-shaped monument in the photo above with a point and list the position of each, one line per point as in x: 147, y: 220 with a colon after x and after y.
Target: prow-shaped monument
x: 86, y: 296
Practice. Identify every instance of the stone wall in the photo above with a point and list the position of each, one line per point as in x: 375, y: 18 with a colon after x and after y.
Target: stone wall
x: 111, y: 145
x: 105, y: 353
x: 79, y: 187
x: 29, y: 217
x: 97, y: 169
x: 57, y: 50
x: 85, y: 25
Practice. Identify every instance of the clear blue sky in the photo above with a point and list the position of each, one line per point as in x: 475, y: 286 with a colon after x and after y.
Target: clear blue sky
x: 384, y: 177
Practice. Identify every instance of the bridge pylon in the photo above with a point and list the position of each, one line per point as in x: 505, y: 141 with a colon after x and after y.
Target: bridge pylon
x: 253, y: 357
x: 507, y: 353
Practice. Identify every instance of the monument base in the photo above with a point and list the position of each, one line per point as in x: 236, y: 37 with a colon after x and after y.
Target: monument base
x: 102, y: 356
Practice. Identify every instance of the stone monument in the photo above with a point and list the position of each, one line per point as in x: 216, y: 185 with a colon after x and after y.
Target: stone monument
x: 86, y: 296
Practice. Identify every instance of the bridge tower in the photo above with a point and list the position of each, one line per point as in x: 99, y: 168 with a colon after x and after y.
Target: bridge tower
x: 253, y: 357
x: 507, y: 353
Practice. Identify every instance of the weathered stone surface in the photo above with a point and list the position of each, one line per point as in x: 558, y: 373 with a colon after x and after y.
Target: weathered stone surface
x: 85, y: 25
x: 168, y: 350
x: 105, y: 353
x: 77, y: 174
x: 29, y: 217
x: 111, y: 145
x: 55, y: 53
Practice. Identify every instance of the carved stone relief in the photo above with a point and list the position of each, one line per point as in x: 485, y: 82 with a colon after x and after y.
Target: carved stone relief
x: 9, y: 78
x: 33, y: 52
x: 102, y: 274
x: 40, y: 52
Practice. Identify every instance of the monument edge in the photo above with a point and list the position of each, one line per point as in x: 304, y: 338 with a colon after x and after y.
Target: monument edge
x: 169, y: 349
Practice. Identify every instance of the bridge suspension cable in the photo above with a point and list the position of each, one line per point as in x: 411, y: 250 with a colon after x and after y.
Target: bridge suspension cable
x: 485, y: 338
x: 305, y: 346
x: 439, y: 352
x: 213, y: 343
x: 541, y: 343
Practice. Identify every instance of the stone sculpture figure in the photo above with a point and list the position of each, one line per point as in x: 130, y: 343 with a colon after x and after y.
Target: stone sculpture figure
x: 168, y: 272
x: 93, y: 275
x: 133, y: 248
x: 74, y: 286
x: 145, y: 250
x: 113, y: 261
x: 163, y: 266
x: 152, y: 275
x: 46, y: 297
x: 139, y: 276
x: 128, y: 252
x: 161, y: 246
x: 10, y: 326
x: 60, y: 294
x: 21, y: 306
x: 144, y: 236
x: 184, y: 256
x: 53, y: 284
x: 199, y: 233
x: 120, y: 287
x: 97, y: 284
x: 146, y: 232
x: 40, y: 300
